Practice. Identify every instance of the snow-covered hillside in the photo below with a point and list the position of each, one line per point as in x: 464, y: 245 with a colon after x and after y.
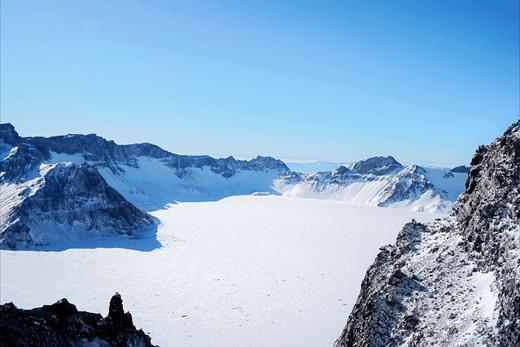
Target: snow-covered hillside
x: 82, y: 186
x: 242, y: 271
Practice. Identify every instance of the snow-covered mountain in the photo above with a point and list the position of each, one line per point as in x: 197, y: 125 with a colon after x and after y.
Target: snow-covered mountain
x: 65, y: 202
x: 454, y: 282
x: 380, y: 181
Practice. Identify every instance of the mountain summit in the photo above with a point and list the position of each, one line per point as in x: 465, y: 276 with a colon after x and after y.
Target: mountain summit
x: 377, y: 165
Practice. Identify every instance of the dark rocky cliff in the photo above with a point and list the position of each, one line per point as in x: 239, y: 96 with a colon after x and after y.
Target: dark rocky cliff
x: 61, y: 324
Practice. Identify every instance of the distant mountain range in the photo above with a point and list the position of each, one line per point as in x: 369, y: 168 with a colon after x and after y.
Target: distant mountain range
x: 70, y: 187
x: 380, y: 181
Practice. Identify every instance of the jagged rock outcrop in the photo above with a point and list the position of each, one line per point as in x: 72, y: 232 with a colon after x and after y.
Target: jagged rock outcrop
x: 61, y: 324
x: 66, y: 202
x: 454, y: 282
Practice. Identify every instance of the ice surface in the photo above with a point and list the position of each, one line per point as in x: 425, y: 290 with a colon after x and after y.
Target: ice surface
x: 243, y: 271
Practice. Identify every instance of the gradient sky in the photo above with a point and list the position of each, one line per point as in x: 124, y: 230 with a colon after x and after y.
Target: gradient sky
x: 425, y: 81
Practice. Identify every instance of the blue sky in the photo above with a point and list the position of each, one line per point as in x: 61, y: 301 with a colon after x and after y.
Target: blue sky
x: 425, y: 81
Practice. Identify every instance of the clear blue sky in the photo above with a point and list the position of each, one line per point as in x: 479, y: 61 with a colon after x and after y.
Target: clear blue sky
x: 425, y: 81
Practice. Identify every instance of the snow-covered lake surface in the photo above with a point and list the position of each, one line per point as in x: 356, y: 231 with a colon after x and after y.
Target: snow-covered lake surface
x: 243, y: 271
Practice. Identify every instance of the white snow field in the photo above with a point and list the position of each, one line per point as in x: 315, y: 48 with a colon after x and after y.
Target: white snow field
x: 242, y: 271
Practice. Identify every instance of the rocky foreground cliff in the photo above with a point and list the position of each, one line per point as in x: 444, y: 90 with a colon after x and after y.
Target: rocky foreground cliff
x: 455, y: 282
x: 61, y: 324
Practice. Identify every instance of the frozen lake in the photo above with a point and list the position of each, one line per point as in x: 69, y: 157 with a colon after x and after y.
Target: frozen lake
x: 246, y: 270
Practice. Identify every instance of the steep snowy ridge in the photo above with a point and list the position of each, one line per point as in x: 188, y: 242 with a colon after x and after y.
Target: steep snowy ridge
x: 455, y: 281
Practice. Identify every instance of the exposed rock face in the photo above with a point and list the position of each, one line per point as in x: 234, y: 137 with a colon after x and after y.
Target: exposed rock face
x: 455, y: 281
x: 18, y: 158
x: 67, y: 202
x: 61, y: 324
x: 460, y: 169
x: 377, y: 166
x: 8, y: 134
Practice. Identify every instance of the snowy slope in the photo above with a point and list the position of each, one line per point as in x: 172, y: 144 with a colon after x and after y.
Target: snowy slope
x: 450, y: 181
x: 242, y: 271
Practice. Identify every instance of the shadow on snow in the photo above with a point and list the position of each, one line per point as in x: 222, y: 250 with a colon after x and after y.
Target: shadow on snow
x: 144, y: 241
